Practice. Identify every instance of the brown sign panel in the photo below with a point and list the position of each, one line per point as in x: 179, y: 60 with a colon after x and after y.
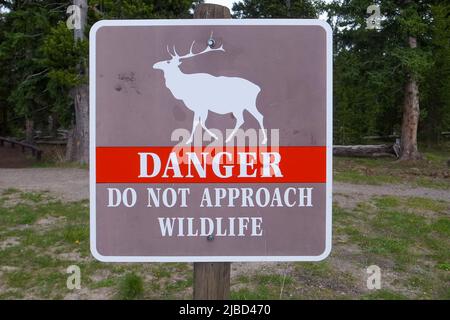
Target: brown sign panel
x: 210, y: 140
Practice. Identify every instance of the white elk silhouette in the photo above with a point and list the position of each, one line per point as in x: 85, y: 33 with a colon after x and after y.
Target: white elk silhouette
x: 202, y: 92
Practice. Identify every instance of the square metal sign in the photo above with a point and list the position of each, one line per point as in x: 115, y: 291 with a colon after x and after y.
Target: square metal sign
x: 210, y: 140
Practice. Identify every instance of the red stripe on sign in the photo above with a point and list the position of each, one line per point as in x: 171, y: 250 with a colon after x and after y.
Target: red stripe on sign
x: 211, y: 164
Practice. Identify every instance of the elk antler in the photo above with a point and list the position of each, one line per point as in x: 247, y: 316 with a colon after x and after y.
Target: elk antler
x: 191, y: 54
x: 170, y: 52
x: 175, y: 51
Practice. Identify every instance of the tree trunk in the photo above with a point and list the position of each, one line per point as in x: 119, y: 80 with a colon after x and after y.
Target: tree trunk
x: 78, y: 139
x: 410, y: 120
x: 29, y: 128
x: 78, y: 136
x: 3, y: 121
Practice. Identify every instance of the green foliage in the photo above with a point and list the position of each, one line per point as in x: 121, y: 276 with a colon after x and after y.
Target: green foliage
x: 436, y: 86
x: 384, y: 294
x: 142, y: 9
x: 443, y: 266
x: 9, y: 191
x: 23, y: 71
x: 63, y: 58
x: 267, y: 286
x: 371, y: 67
x: 40, y: 63
x: 131, y: 287
x: 276, y: 9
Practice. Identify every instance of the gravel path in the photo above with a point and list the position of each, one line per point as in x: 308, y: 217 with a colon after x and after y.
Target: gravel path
x: 348, y: 195
x: 401, y: 190
x: 66, y: 183
x: 73, y: 184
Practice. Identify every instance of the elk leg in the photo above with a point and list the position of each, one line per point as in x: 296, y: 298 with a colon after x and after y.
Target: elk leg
x: 239, y: 121
x: 202, y: 123
x: 258, y: 116
x: 195, y: 122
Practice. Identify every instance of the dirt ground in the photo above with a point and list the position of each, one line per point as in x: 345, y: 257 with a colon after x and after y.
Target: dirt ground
x: 15, y: 158
x: 71, y: 184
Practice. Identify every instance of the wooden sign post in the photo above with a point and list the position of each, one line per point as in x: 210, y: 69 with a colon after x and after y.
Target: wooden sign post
x: 211, y: 279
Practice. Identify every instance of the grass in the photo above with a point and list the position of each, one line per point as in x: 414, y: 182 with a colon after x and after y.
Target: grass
x: 408, y: 238
x: 402, y: 231
x: 262, y: 287
x: 432, y: 172
x: 131, y: 287
x: 32, y: 196
x: 59, y: 164
x: 427, y: 204
x: 357, y: 177
x: 260, y: 293
x: 18, y: 279
x: 384, y: 294
x: 443, y: 266
x: 52, y: 235
x: 399, y: 225
x: 387, y: 202
x: 105, y: 283
x: 319, y: 269
x: 10, y: 191
x: 18, y: 215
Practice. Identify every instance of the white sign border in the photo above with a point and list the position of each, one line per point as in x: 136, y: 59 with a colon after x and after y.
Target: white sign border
x: 203, y: 22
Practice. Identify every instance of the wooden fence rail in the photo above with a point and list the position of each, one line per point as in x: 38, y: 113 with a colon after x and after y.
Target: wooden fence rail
x: 34, y: 150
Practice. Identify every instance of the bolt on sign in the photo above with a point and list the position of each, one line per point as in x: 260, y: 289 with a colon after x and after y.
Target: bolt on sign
x: 210, y: 140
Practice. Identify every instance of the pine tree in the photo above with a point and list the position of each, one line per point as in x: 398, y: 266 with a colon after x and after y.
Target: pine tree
x: 43, y: 64
x: 395, y: 59
x: 276, y: 9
